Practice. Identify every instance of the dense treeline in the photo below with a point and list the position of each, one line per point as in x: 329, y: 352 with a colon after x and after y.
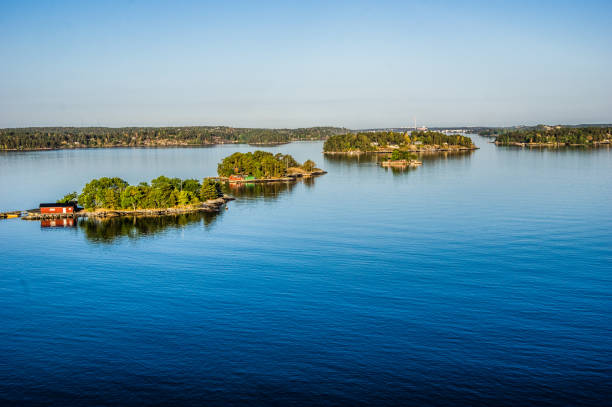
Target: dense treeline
x: 439, y: 139
x: 372, y: 141
x: 557, y: 135
x: 488, y: 132
x: 33, y: 138
x: 163, y: 192
x: 260, y: 164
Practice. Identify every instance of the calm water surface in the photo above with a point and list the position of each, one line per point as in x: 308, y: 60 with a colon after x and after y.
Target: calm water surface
x: 481, y: 278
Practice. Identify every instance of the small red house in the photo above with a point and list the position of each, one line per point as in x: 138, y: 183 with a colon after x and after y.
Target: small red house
x: 57, y: 208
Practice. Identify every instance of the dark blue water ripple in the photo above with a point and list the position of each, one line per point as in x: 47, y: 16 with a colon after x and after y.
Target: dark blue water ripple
x: 480, y: 279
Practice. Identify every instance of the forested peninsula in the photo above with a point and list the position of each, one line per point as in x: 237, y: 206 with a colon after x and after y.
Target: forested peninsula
x: 50, y: 138
x: 553, y: 136
x: 387, y: 141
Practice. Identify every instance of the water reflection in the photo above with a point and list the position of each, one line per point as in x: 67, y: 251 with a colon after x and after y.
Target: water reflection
x: 58, y: 223
x: 446, y: 156
x: 351, y: 159
x: 109, y: 230
x: 399, y: 170
x: 265, y: 191
x: 335, y: 160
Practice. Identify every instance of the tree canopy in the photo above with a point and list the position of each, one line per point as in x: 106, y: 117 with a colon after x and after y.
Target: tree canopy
x: 260, y: 164
x: 397, y: 155
x: 163, y: 192
x: 71, y: 197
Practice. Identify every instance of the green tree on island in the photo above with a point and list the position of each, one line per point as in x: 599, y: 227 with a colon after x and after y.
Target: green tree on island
x: 397, y: 155
x: 71, y: 197
x: 308, y: 165
x: 210, y: 190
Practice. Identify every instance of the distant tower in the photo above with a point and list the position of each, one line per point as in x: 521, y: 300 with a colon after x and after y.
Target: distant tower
x: 414, y: 123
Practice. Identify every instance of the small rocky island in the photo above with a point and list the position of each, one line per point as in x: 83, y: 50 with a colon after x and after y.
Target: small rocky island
x: 112, y: 197
x: 402, y: 159
x: 389, y: 141
x: 263, y: 166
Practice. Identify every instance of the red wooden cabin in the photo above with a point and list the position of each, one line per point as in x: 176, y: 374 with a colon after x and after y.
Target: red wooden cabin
x: 57, y: 208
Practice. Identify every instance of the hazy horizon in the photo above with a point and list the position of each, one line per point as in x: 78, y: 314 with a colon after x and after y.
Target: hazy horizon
x: 288, y: 65
x: 303, y: 127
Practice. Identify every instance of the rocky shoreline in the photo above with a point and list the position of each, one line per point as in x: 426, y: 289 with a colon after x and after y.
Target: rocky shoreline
x: 213, y: 205
x: 401, y: 163
x: 412, y: 150
x: 519, y: 144
x: 288, y: 178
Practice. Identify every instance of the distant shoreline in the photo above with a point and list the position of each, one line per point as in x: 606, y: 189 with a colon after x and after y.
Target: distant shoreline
x: 60, y: 138
x: 204, y: 145
x: 271, y: 144
x: 519, y: 144
x: 115, y: 146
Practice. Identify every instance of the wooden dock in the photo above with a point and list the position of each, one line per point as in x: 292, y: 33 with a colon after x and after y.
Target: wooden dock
x: 9, y: 215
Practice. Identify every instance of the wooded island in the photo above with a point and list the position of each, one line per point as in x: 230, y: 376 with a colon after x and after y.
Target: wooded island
x: 554, y: 136
x: 387, y: 141
x: 264, y: 166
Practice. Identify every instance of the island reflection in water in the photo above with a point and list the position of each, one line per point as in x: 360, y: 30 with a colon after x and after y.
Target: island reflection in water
x: 109, y: 230
x: 339, y: 160
x: 58, y: 223
x: 266, y: 191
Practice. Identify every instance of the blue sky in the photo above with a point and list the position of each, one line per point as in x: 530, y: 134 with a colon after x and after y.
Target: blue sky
x: 305, y: 63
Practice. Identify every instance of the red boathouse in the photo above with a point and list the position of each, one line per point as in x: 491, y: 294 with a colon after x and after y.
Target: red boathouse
x: 57, y: 208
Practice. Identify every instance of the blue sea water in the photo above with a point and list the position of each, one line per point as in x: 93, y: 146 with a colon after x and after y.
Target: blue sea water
x: 477, y: 279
